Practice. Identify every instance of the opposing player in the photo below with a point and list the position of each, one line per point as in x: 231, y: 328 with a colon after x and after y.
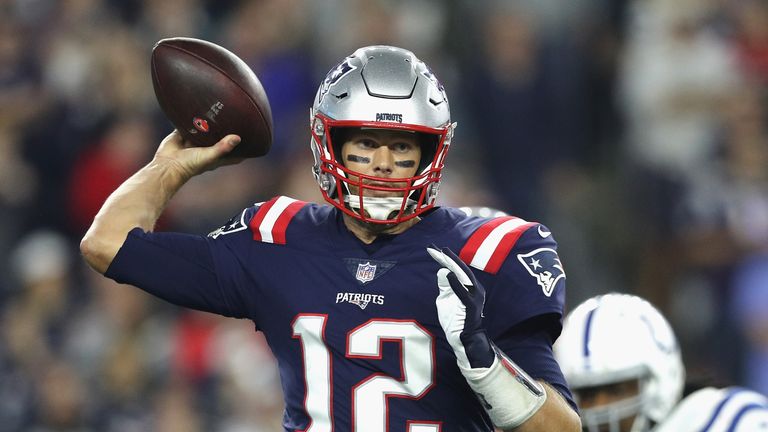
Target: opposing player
x: 622, y: 360
x: 375, y: 323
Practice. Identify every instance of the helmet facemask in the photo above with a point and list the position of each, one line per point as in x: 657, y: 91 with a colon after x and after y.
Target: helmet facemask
x: 608, y: 417
x: 380, y: 87
x: 352, y: 191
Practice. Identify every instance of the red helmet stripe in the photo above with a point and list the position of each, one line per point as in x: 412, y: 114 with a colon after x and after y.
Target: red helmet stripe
x: 271, y: 219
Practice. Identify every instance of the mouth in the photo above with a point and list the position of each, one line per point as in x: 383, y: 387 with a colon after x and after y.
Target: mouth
x: 371, y: 188
x: 385, y: 184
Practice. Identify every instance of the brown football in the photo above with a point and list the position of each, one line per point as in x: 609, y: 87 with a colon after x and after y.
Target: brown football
x: 208, y: 92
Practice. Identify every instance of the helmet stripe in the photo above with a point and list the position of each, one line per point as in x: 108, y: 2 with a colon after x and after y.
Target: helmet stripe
x: 588, y: 334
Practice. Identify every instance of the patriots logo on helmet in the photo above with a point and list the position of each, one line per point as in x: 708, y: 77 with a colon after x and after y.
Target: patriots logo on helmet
x: 335, y: 75
x: 432, y: 77
x: 544, y: 265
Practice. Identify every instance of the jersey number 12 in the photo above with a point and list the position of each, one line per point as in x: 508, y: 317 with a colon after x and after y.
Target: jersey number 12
x: 369, y: 396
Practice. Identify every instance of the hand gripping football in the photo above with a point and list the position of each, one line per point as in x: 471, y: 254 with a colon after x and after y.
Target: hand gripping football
x: 208, y: 92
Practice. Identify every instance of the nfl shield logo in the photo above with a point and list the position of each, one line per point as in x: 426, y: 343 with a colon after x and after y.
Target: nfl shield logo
x: 365, y: 272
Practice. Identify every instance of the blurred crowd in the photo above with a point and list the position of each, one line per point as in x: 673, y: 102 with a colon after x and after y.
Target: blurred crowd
x: 637, y: 130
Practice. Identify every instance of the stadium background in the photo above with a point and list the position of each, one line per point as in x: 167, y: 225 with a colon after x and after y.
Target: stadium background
x: 637, y: 130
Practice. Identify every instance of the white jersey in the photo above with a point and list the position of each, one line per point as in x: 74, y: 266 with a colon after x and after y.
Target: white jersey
x: 731, y: 409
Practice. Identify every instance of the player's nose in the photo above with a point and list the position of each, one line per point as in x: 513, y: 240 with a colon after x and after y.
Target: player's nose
x: 383, y: 161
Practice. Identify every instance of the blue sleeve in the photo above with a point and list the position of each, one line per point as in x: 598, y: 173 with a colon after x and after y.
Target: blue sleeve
x: 531, y: 283
x: 524, y: 306
x: 177, y: 268
x: 529, y: 345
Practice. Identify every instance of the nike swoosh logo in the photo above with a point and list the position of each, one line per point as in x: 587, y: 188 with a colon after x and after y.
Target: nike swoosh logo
x: 544, y: 234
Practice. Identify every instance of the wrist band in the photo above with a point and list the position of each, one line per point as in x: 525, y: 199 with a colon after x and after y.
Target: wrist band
x: 508, y: 394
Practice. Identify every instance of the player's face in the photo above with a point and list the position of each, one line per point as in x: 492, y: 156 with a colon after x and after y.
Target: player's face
x: 600, y: 396
x: 383, y: 153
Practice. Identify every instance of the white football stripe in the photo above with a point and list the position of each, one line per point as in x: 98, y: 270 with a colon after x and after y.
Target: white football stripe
x: 489, y: 245
x: 266, y: 226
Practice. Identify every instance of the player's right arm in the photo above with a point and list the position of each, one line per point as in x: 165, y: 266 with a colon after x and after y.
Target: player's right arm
x: 140, y: 200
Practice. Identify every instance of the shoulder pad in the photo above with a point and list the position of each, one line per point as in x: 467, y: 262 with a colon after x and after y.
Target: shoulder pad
x: 729, y: 408
x: 709, y: 409
x: 488, y: 247
x: 271, y: 220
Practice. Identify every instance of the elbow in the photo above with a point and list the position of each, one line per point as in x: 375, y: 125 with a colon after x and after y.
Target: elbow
x: 94, y: 252
x: 575, y: 423
x: 570, y: 420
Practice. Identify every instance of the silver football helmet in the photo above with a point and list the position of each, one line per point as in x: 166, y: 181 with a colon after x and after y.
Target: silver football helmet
x: 387, y: 88
x: 619, y: 337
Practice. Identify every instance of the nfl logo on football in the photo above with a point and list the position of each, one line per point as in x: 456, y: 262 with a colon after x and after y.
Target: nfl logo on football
x: 365, y: 272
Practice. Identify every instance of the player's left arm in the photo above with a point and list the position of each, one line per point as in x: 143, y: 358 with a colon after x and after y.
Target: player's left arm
x: 513, y: 400
x: 554, y: 414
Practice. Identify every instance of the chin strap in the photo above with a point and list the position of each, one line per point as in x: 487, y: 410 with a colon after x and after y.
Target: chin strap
x: 379, y: 208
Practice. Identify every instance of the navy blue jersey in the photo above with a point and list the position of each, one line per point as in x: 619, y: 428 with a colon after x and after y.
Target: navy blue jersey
x: 354, y: 327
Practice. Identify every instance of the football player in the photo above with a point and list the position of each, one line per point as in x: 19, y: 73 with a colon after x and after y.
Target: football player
x: 622, y: 360
x: 376, y: 324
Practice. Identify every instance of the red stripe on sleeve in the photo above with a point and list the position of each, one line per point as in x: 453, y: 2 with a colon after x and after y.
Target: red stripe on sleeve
x: 281, y: 224
x: 511, y: 369
x: 258, y: 218
x: 476, y: 239
x: 505, y: 246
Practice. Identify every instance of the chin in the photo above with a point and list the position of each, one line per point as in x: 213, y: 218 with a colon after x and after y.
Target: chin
x: 375, y: 228
x: 375, y: 193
